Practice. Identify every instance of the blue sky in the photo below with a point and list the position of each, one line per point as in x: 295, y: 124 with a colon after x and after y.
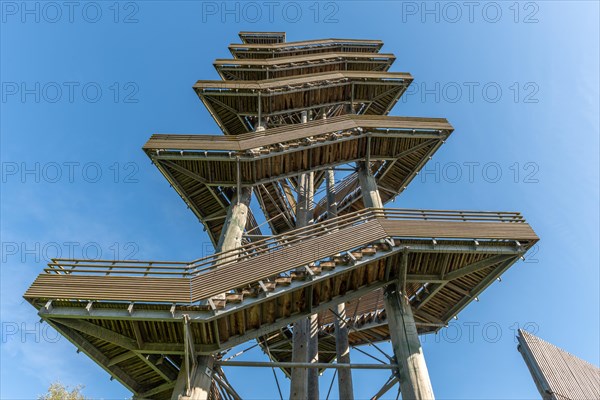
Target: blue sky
x: 519, y: 82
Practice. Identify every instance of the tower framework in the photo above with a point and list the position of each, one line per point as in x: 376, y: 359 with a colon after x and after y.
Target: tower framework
x: 324, y: 273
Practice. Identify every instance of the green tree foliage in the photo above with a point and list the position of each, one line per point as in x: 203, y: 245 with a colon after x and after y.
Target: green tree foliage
x: 57, y: 391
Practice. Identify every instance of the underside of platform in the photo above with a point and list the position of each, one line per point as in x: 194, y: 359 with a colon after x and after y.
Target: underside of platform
x: 127, y: 309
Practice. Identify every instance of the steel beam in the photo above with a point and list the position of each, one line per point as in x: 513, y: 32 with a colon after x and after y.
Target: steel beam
x: 386, y: 387
x: 92, y: 352
x: 306, y: 365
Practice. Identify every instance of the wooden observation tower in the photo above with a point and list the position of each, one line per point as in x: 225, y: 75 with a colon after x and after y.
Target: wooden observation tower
x: 308, y: 136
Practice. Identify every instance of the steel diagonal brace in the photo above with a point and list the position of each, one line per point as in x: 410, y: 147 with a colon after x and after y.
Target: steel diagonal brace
x: 345, y: 323
x: 386, y: 387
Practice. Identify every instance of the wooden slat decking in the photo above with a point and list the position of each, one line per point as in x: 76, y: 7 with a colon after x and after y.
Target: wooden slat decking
x: 269, y: 312
x: 248, y: 37
x: 313, y: 79
x: 442, y: 229
x: 287, y: 49
x: 558, y: 374
x: 115, y: 288
x: 275, y: 135
x: 255, y: 269
x: 322, y: 242
x: 276, y: 159
x: 211, y: 160
x: 373, y: 93
x: 257, y: 69
x: 240, y: 323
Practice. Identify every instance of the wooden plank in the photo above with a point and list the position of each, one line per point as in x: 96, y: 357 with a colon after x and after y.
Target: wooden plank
x: 303, y: 253
x: 475, y: 230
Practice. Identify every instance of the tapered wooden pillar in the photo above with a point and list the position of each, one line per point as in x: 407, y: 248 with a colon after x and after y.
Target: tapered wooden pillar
x: 233, y: 228
x: 342, y: 346
x: 200, y: 381
x: 231, y: 238
x: 414, y: 377
x: 299, y: 382
x: 301, y: 327
x: 237, y: 214
x: 304, y: 384
x: 312, y: 379
x: 332, y: 211
x: 368, y: 186
x: 235, y: 222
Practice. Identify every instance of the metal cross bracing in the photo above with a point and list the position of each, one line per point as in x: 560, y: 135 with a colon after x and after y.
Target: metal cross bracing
x: 291, y: 112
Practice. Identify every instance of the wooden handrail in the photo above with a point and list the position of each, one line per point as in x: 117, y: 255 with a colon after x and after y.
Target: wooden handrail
x: 274, y: 243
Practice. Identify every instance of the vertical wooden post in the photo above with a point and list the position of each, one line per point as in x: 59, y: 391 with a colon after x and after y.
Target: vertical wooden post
x: 332, y: 211
x: 200, y: 381
x: 312, y: 322
x: 231, y: 238
x: 235, y: 222
x: 342, y: 346
x: 414, y: 378
x: 233, y: 228
x: 313, y: 357
x: 299, y: 382
x: 304, y: 340
x: 368, y: 186
x: 301, y: 328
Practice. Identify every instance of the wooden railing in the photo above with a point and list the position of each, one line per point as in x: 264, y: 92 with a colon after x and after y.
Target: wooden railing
x: 270, y: 244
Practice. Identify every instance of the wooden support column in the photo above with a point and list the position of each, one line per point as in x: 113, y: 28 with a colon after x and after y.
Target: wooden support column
x: 231, y: 238
x: 332, y: 210
x: 414, y: 378
x: 304, y: 384
x: 301, y: 328
x: 233, y: 228
x: 199, y: 381
x: 235, y: 222
x: 299, y: 382
x: 313, y: 357
x: 342, y: 345
x: 368, y: 186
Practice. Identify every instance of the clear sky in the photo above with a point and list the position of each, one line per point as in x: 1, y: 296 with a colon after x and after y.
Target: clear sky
x: 85, y: 84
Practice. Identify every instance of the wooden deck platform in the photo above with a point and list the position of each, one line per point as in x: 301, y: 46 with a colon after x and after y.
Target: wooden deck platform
x: 258, y: 69
x: 121, y: 310
x: 288, y: 49
x: 237, y: 106
x: 197, y: 165
x: 262, y: 37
